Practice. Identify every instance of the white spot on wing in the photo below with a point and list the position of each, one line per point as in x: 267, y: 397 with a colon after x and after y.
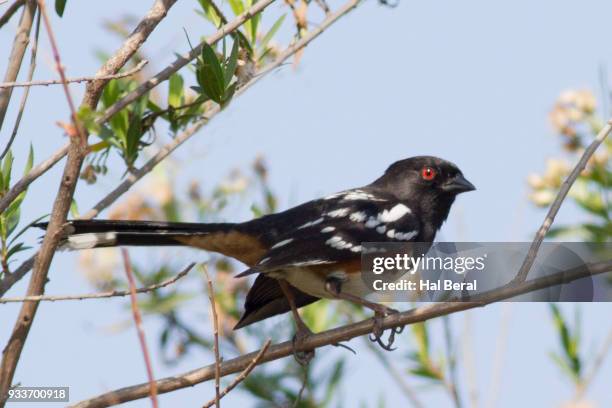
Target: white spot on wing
x: 394, y: 214
x: 381, y: 229
x: 281, y: 243
x: 359, y: 216
x: 338, y: 243
x: 391, y: 233
x: 328, y: 229
x: 360, y: 195
x: 311, y: 223
x: 405, y: 236
x: 340, y: 212
x: 312, y: 262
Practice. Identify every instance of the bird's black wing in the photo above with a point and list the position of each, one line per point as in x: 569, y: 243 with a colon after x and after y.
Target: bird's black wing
x: 337, y: 233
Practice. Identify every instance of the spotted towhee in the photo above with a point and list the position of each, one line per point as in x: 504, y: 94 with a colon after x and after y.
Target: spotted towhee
x: 311, y: 251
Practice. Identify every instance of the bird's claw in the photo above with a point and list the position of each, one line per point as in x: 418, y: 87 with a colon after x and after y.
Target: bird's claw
x: 303, y: 357
x: 378, y: 330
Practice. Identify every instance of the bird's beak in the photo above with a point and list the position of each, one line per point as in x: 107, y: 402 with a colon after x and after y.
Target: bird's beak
x: 458, y: 184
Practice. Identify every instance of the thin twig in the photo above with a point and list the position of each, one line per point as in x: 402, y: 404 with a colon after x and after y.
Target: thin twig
x: 62, y: 73
x: 556, y: 205
x: 452, y: 383
x: 599, y: 359
x: 300, y: 394
x: 498, y: 359
x: 26, y: 93
x: 138, y: 322
x: 398, y: 376
x: 103, y: 295
x: 20, y: 43
x: 468, y: 360
x: 10, y: 11
x: 345, y: 333
x: 48, y: 82
x: 213, y: 308
x: 247, y: 370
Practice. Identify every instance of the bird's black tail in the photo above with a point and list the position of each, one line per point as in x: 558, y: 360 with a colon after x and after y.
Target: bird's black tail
x: 234, y: 240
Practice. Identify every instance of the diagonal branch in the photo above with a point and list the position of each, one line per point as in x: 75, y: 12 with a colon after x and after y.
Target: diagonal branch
x: 556, y: 205
x: 10, y: 11
x: 26, y: 93
x: 138, y: 323
x: 20, y: 43
x: 343, y: 334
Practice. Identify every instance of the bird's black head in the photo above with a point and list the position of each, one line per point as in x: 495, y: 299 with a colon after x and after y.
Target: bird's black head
x: 426, y: 182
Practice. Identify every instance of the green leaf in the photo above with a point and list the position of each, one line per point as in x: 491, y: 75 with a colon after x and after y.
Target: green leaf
x: 209, y: 13
x: 237, y: 6
x: 175, y: 90
x: 272, y: 32
x: 210, y: 76
x: 232, y: 63
x: 17, y: 248
x: 229, y: 94
x: 7, y: 167
x: 60, y: 6
x: 74, y: 209
x: 30, y: 161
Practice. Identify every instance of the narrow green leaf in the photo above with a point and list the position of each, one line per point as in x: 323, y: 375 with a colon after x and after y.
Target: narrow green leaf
x: 30, y: 161
x: 237, y: 6
x: 60, y: 6
x: 210, y: 76
x: 232, y: 63
x: 175, y: 90
x: 272, y: 32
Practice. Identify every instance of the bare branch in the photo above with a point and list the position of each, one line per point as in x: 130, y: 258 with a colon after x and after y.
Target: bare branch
x: 26, y: 93
x: 213, y: 308
x: 138, y: 322
x: 556, y: 205
x: 103, y: 295
x: 48, y: 82
x: 20, y: 43
x: 345, y: 333
x: 10, y: 11
x: 247, y: 370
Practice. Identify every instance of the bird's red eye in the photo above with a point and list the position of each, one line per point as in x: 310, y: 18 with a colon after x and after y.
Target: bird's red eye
x: 428, y: 173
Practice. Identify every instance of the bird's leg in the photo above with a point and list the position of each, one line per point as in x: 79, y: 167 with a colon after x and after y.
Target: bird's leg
x: 334, y: 286
x: 301, y: 330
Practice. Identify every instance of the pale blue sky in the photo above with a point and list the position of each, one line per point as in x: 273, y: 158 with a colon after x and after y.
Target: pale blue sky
x: 469, y: 81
